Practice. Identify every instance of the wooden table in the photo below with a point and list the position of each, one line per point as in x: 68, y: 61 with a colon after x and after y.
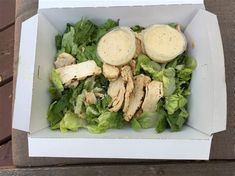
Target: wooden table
x: 222, y: 158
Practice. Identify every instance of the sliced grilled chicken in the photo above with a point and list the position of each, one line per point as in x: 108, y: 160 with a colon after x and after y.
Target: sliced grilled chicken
x: 64, y: 59
x: 116, y: 91
x: 136, y: 98
x: 78, y: 71
x: 126, y: 73
x: 110, y: 72
x: 154, y: 91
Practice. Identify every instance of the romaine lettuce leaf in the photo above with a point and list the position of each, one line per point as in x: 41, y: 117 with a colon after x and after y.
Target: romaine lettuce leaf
x: 71, y: 122
x: 56, y: 81
x: 56, y: 109
x: 177, y: 119
x: 84, y: 31
x: 147, y: 65
x: 174, y: 102
x: 104, y: 28
x: 137, y: 28
x: 135, y: 125
x: 110, y: 120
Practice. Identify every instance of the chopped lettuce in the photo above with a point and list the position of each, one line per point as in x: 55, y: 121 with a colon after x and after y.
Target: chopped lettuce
x: 174, y: 25
x: 167, y: 76
x: 177, y: 119
x: 135, y: 125
x: 110, y: 120
x: 84, y: 31
x: 137, y: 28
x: 106, y: 27
x: 78, y: 109
x: 56, y: 81
x: 106, y: 121
x: 174, y: 102
x: 71, y: 122
x: 56, y: 109
x: 148, y: 66
x: 68, y: 44
x: 85, y: 53
x: 68, y: 110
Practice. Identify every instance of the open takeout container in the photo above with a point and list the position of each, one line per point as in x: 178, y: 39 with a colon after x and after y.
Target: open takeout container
x: 207, y: 104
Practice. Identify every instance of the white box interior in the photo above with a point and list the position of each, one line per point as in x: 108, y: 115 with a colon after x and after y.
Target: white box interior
x: 207, y: 114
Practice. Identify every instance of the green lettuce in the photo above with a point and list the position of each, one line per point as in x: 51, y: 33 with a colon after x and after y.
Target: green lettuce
x: 71, y: 122
x: 167, y: 77
x: 104, y: 28
x: 174, y: 102
x: 177, y: 119
x: 110, y: 120
x: 56, y: 109
x: 56, y: 81
x: 137, y: 28
x: 147, y: 65
x: 135, y: 125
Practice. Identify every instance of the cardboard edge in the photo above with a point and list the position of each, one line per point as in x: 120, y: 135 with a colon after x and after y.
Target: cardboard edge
x: 116, y: 148
x: 45, y: 4
x: 25, y: 74
x: 219, y: 82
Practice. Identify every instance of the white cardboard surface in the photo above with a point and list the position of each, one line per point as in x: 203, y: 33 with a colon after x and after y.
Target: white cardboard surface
x: 45, y: 53
x: 208, y: 107
x: 119, y: 148
x: 24, y: 83
x: 43, y: 4
x: 42, y: 143
x: 148, y: 15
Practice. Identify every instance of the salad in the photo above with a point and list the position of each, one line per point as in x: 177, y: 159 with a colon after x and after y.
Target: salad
x: 110, y: 76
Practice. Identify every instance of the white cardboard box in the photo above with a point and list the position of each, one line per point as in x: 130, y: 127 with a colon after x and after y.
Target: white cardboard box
x: 207, y: 105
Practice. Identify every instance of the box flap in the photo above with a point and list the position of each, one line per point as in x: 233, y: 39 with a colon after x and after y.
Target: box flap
x: 205, y: 45
x: 24, y: 81
x: 44, y: 4
x: 110, y: 148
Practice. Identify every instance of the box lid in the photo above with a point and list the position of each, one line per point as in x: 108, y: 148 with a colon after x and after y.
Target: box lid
x: 25, y: 75
x: 207, y: 115
x: 44, y: 4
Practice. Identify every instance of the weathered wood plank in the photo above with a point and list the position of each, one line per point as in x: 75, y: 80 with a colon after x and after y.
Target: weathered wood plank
x: 6, y: 54
x: 7, y: 13
x: 223, y: 143
x: 23, y: 6
x: 6, y: 155
x: 5, y: 110
x: 182, y: 169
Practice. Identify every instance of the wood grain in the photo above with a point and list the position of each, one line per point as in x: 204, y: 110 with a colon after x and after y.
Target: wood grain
x: 5, y: 110
x: 6, y: 54
x: 5, y: 155
x: 7, y: 13
x: 177, y: 169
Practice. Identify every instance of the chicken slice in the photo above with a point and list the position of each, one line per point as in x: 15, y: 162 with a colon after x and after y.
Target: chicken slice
x: 136, y: 98
x: 78, y: 71
x: 90, y: 98
x: 139, y: 44
x: 127, y: 77
x: 110, y: 72
x: 116, y: 91
x: 133, y: 66
x: 64, y: 59
x: 154, y: 91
